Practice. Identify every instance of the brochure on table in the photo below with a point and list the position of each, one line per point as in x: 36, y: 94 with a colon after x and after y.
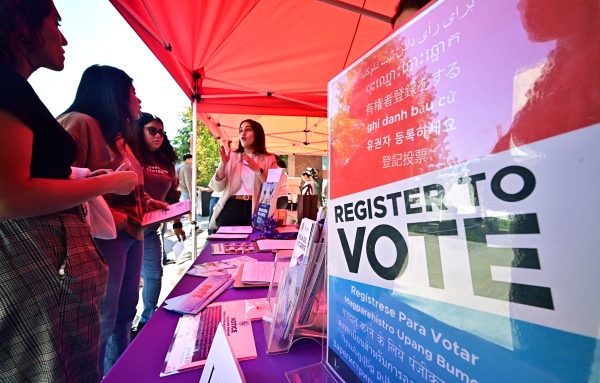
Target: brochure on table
x: 194, y: 301
x: 232, y: 248
x: 263, y: 245
x: 194, y: 334
x: 229, y: 237
x: 267, y: 202
x: 261, y: 272
x: 301, y: 283
x: 457, y: 249
x: 227, y: 266
x: 303, y: 241
x: 235, y: 230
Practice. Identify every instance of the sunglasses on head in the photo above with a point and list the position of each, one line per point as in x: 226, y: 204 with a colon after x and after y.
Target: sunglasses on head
x: 152, y: 130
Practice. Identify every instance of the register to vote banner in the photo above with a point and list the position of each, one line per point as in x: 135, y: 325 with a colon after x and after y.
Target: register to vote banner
x: 464, y: 170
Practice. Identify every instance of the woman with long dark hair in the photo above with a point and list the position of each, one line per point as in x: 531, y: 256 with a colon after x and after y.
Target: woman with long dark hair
x: 52, y: 277
x: 102, y: 121
x: 161, y: 183
x: 240, y: 176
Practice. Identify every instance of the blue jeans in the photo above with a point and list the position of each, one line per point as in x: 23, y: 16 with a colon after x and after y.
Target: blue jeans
x: 151, y: 272
x: 124, y: 258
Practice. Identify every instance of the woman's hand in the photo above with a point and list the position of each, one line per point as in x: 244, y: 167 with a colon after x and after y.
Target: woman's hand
x: 249, y: 162
x: 120, y: 182
x: 99, y: 172
x: 153, y: 204
x: 225, y: 154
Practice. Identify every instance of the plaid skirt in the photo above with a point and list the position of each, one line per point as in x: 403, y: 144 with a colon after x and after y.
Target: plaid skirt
x: 52, y: 281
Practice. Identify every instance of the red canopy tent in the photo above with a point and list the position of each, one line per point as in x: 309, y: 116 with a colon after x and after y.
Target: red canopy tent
x: 259, y: 57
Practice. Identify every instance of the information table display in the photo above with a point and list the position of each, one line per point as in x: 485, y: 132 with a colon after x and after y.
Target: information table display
x: 143, y: 360
x: 464, y: 163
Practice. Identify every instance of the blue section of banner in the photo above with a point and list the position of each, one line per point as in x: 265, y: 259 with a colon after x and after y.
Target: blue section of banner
x: 386, y: 336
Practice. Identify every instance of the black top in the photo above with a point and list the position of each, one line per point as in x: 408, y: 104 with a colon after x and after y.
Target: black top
x: 54, y: 150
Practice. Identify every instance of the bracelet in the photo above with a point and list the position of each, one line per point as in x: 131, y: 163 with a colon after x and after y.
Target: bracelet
x: 178, y: 225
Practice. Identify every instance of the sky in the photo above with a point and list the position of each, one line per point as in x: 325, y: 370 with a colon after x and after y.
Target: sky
x: 97, y: 34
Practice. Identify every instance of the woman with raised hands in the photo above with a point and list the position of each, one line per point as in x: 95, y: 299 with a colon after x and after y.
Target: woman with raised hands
x: 240, y: 176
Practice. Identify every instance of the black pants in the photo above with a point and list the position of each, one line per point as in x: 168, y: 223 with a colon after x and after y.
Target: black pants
x: 236, y: 212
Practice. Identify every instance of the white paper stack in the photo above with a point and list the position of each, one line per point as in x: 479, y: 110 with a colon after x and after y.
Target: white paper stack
x: 260, y: 272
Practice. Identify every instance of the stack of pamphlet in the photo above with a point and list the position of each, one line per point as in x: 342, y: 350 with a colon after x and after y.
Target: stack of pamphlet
x: 300, y: 286
x: 260, y: 273
x: 300, y: 254
x: 194, y: 301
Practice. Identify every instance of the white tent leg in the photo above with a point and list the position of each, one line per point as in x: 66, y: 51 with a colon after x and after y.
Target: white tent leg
x: 194, y: 192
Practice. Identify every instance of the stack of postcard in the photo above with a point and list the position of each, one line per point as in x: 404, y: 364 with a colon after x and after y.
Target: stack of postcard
x: 232, y: 248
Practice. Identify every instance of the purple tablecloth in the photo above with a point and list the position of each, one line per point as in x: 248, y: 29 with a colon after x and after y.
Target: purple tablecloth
x: 144, y: 358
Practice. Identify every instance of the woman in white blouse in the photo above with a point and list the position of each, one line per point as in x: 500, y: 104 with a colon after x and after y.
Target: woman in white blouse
x: 240, y: 176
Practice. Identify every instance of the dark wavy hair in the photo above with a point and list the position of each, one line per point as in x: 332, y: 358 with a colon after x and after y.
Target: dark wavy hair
x: 21, y: 22
x: 103, y: 94
x: 408, y: 4
x: 164, y: 154
x: 259, y: 145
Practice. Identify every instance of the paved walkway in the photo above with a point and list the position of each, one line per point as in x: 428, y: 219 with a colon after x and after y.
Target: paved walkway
x: 172, y: 273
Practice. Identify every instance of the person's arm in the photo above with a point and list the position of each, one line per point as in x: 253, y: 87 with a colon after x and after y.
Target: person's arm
x: 220, y: 173
x: 22, y: 196
x: 219, y: 180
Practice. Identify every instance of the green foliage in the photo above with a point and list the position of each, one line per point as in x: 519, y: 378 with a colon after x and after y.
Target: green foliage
x: 207, y: 147
x: 181, y: 142
x: 208, y: 155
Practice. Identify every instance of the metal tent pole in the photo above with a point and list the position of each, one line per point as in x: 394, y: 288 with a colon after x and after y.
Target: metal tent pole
x: 194, y: 193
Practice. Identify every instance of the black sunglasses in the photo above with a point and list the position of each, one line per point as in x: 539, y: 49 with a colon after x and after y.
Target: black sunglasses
x: 152, y: 130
